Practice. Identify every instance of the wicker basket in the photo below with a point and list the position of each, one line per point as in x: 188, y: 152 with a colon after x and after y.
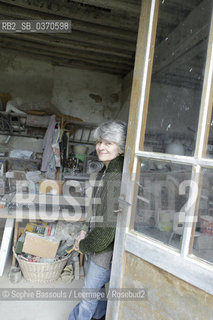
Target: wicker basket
x: 41, y: 272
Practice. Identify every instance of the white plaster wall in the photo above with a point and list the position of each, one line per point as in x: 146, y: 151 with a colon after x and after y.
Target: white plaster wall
x: 89, y: 95
x: 74, y: 90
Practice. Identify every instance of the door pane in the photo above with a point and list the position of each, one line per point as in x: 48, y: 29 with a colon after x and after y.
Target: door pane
x: 161, y: 199
x: 177, y: 76
x: 203, y: 240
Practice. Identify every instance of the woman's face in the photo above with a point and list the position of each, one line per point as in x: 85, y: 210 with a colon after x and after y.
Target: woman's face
x: 106, y: 150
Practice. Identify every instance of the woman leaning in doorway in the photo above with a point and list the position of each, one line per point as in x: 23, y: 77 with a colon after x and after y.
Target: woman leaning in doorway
x: 98, y: 239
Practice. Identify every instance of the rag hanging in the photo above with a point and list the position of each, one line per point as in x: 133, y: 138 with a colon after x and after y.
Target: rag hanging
x: 47, y: 144
x: 64, y: 147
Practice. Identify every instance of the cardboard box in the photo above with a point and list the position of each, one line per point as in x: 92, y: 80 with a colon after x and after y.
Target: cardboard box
x: 44, y: 247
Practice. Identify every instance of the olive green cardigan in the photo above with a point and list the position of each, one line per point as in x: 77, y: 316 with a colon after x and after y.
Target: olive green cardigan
x: 101, y: 237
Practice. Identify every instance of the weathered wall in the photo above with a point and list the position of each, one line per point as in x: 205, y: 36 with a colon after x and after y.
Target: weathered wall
x: 123, y: 113
x: 29, y: 79
x: 89, y: 95
x: 169, y: 298
x: 92, y: 96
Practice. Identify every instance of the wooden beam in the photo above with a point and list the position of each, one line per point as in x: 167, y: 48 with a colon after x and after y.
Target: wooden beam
x: 87, y: 38
x: 190, y: 71
x: 75, y: 41
x: 64, y: 63
x: 184, y: 38
x: 107, y: 42
x: 182, y: 61
x: 105, y: 31
x: 128, y: 8
x: 77, y: 25
x: 62, y: 59
x: 75, y: 11
x: 186, y: 5
x: 170, y: 17
x: 42, y: 44
x: 180, y: 80
x: 168, y: 14
x: 85, y: 66
x: 67, y: 45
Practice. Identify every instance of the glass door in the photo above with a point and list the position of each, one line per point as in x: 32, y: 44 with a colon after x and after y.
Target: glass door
x: 165, y: 202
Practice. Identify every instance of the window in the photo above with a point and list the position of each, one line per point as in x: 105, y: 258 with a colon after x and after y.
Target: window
x: 163, y: 194
x: 166, y: 170
x: 168, y: 190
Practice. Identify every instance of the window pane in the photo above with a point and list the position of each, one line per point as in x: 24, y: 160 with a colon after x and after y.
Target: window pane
x: 162, y: 195
x: 177, y: 77
x: 203, y: 240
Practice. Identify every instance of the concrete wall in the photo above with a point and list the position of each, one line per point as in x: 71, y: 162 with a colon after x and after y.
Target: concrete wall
x: 92, y: 96
x: 169, y: 298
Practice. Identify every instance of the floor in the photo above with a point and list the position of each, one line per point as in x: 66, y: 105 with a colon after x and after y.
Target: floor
x: 65, y: 297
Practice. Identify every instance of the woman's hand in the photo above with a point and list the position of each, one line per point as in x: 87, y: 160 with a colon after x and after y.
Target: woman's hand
x: 80, y: 237
x: 76, y: 248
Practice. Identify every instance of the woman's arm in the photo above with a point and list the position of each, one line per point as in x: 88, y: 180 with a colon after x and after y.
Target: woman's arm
x: 97, y: 240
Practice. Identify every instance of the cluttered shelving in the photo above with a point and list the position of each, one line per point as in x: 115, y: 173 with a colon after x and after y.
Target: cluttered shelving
x: 28, y: 190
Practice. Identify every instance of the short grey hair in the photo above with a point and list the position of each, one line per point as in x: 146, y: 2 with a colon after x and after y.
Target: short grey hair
x: 112, y: 131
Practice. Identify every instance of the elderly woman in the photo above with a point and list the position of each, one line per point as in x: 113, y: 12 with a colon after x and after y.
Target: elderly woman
x: 97, y: 239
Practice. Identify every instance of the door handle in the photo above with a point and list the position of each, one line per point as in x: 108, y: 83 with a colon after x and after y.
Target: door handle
x: 117, y: 211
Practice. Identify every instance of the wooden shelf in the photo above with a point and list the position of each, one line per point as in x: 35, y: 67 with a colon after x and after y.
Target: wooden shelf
x: 19, y: 215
